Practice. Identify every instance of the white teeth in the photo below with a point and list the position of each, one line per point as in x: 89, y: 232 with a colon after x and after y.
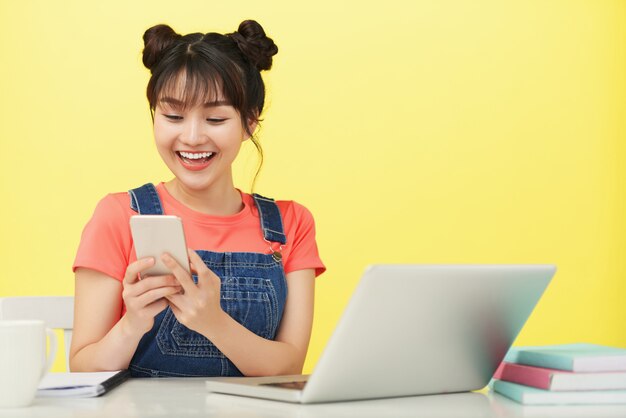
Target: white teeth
x: 197, y: 156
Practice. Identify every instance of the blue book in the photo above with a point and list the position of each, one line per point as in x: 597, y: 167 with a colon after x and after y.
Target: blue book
x: 528, y: 395
x: 571, y: 357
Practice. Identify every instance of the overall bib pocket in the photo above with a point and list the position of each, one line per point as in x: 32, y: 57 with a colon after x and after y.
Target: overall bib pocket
x: 250, y: 301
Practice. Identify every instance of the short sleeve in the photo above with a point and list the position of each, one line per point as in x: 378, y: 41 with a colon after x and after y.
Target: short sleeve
x: 303, y: 254
x: 106, y: 241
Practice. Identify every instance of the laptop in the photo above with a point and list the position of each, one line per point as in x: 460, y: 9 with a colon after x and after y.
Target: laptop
x: 412, y: 330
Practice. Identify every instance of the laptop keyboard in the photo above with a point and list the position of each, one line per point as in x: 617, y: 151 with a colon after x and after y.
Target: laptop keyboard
x: 287, y: 385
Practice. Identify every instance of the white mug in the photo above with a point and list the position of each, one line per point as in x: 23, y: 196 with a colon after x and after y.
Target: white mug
x: 23, y: 360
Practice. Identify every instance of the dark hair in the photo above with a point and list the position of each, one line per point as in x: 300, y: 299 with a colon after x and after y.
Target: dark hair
x: 204, y: 66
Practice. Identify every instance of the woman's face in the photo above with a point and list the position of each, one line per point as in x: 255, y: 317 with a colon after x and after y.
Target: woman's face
x: 198, y: 144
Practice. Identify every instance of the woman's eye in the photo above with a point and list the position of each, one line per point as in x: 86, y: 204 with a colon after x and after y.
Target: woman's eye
x: 173, y: 117
x: 215, y: 120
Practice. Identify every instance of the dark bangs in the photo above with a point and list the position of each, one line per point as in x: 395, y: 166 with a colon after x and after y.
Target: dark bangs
x: 197, y: 73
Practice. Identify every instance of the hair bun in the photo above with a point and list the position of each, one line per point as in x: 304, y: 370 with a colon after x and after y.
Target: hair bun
x: 156, y: 40
x: 254, y: 44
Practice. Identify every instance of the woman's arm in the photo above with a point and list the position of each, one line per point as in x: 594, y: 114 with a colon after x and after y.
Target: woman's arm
x: 102, y: 339
x: 199, y: 309
x: 256, y: 356
x: 99, y: 339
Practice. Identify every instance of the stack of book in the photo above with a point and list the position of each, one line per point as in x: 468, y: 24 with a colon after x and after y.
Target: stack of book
x: 563, y: 374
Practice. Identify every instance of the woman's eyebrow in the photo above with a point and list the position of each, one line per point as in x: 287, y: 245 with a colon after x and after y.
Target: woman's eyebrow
x: 216, y: 103
x: 177, y: 102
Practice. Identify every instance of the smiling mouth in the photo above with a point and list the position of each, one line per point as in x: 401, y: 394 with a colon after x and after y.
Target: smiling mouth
x: 195, y: 158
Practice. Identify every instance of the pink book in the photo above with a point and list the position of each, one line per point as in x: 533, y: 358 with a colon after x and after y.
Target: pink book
x: 559, y: 380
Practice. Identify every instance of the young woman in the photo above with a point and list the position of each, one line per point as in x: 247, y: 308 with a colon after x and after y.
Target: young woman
x: 254, y: 259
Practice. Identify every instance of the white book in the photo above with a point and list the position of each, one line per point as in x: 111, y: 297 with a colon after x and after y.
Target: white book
x: 80, y: 385
x: 573, y: 357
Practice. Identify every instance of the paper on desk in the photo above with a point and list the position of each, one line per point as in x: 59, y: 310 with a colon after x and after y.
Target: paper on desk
x: 74, y: 384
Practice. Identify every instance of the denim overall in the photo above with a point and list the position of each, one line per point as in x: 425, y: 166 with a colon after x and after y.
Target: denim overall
x: 253, y: 292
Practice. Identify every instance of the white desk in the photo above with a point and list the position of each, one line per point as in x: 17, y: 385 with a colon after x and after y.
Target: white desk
x: 188, y: 398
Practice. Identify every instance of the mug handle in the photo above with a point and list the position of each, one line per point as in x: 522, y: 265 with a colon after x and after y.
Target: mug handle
x: 52, y: 354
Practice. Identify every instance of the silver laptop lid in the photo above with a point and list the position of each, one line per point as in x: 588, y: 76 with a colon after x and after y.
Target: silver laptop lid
x: 422, y: 329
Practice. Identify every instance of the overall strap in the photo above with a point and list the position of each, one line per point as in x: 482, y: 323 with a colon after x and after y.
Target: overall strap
x: 145, y: 200
x: 271, y: 221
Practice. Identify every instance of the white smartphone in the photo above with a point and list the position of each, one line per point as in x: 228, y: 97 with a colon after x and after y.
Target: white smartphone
x: 154, y: 235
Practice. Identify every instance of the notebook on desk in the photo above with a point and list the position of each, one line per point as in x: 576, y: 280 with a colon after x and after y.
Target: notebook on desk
x: 413, y: 330
x: 80, y: 385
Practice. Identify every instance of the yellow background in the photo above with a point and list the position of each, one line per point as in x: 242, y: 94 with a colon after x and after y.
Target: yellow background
x: 416, y: 132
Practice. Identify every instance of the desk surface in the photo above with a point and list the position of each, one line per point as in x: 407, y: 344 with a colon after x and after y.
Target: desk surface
x: 188, y: 398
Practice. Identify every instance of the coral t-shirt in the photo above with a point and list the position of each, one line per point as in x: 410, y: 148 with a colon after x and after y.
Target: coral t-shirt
x: 107, y: 246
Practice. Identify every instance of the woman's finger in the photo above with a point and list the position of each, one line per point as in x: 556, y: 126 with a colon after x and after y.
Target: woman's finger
x: 155, y: 294
x: 181, y: 274
x: 175, y: 300
x: 136, y: 267
x: 155, y: 307
x: 154, y: 282
x: 204, y: 273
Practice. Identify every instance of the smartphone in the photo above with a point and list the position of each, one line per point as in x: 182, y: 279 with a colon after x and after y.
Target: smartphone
x: 154, y: 235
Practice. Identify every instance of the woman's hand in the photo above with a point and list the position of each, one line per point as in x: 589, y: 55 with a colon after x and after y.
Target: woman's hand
x: 145, y: 298
x: 199, y: 304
